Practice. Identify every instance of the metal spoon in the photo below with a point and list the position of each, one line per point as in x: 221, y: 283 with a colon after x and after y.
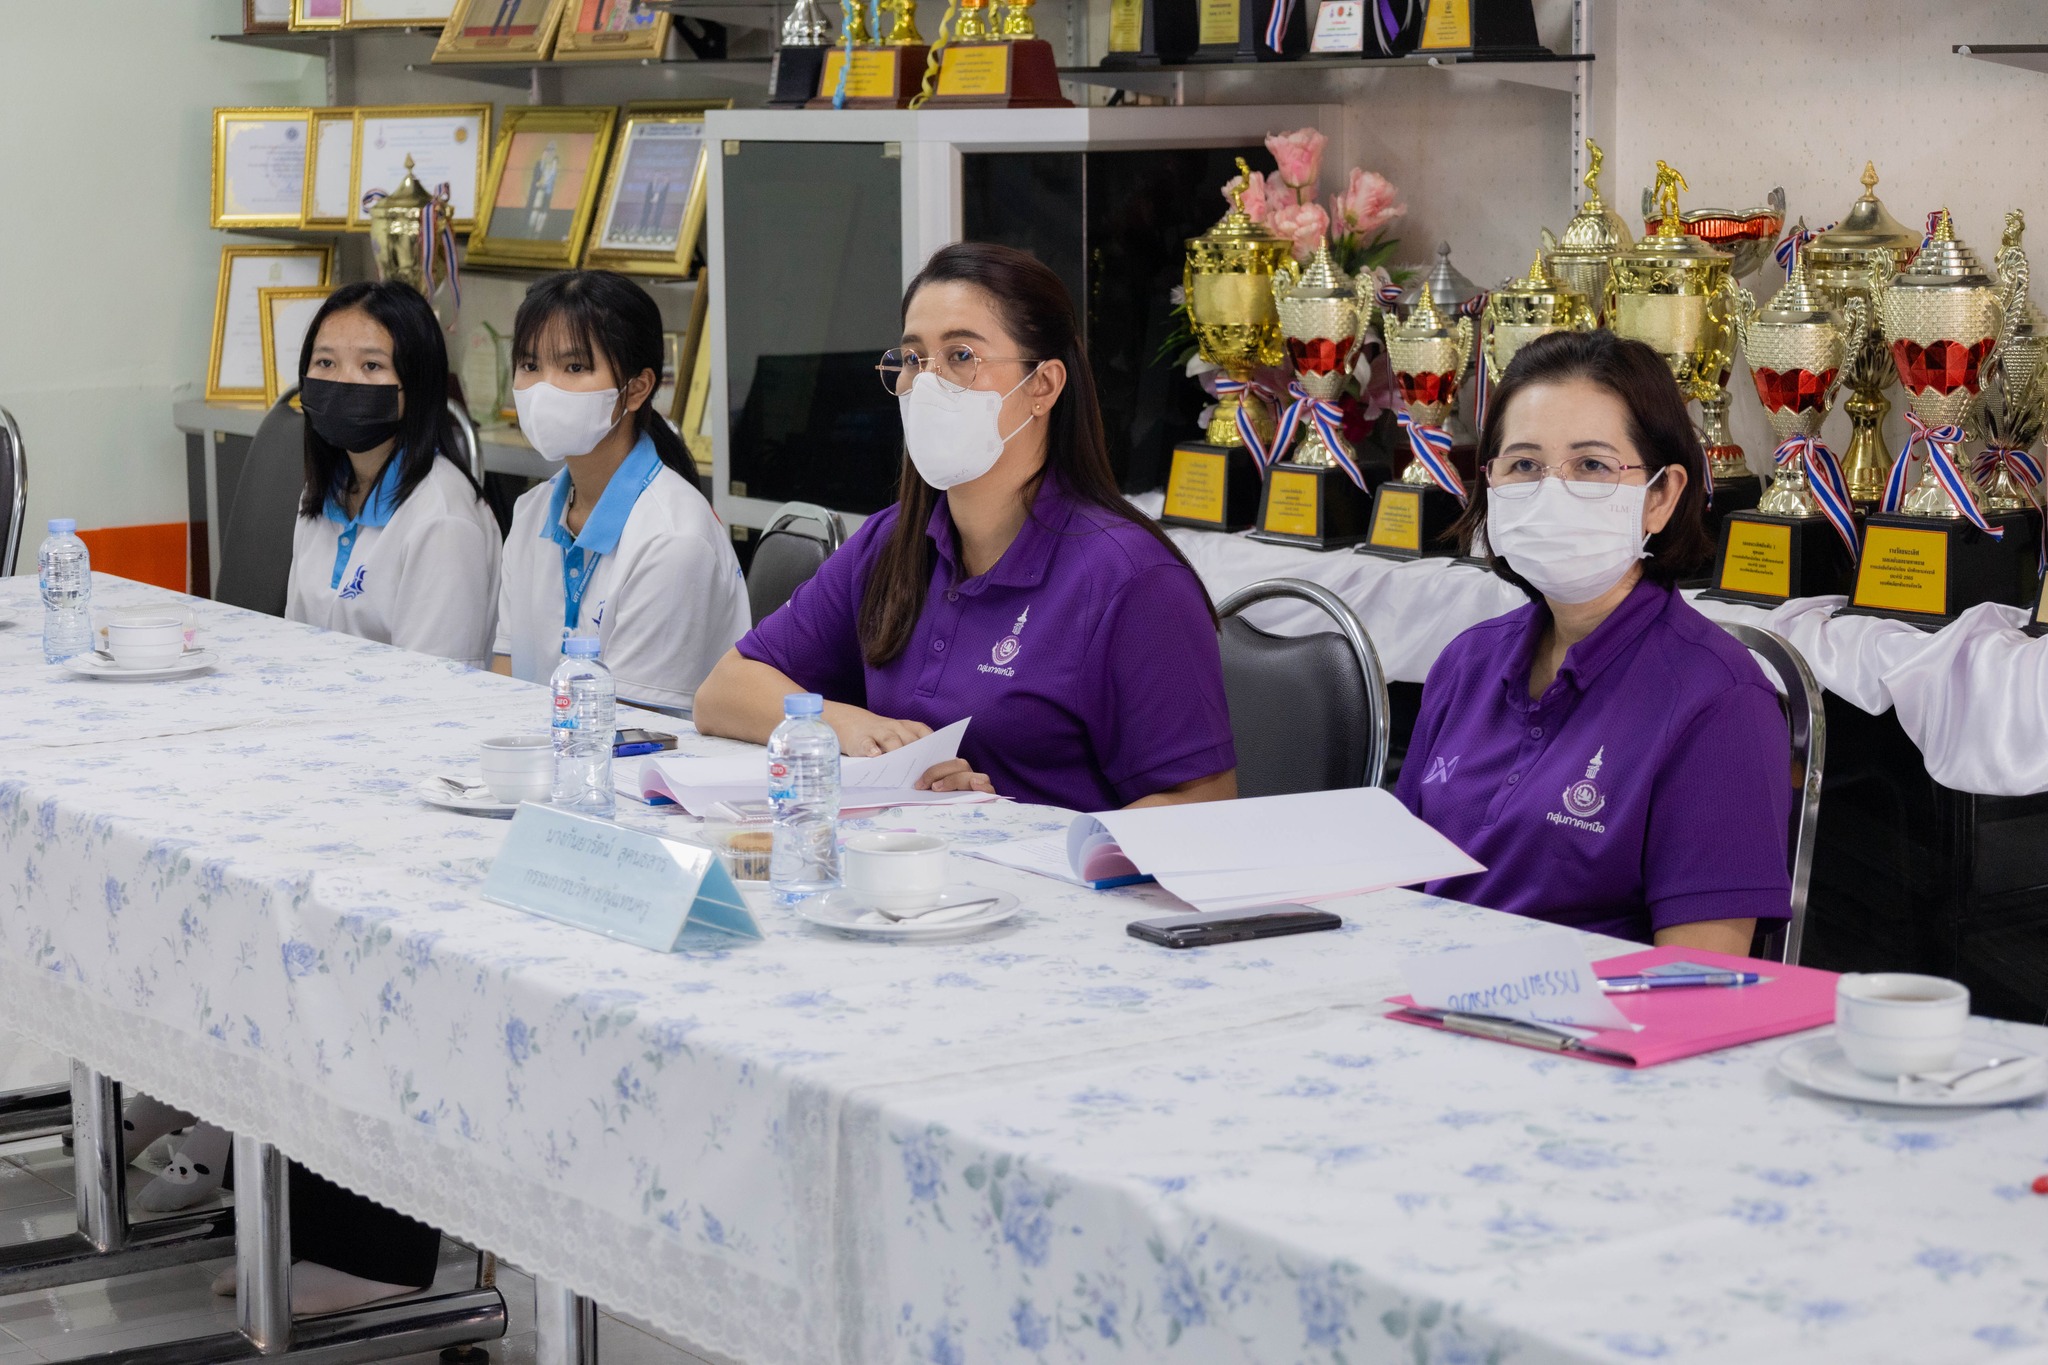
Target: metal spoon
x: 940, y: 915
x: 1953, y: 1084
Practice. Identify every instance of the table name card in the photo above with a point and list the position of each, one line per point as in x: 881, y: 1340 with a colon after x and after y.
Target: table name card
x: 1540, y: 980
x: 636, y: 887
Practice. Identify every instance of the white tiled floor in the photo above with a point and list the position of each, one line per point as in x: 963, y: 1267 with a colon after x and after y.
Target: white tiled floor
x: 106, y: 1315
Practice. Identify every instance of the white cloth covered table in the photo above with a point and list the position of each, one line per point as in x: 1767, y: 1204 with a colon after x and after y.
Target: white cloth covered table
x: 1050, y: 1142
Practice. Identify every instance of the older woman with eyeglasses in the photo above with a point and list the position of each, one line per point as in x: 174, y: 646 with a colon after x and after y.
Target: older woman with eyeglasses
x: 1616, y: 760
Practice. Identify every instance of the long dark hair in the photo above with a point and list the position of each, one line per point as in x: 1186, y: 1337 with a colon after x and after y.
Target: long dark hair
x: 616, y: 319
x: 1035, y: 310
x: 1658, y: 427
x: 419, y: 357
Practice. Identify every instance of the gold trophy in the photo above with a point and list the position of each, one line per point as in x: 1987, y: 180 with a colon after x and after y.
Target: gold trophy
x: 1429, y: 352
x: 411, y: 230
x: 2008, y: 474
x: 1516, y: 314
x: 1316, y: 491
x: 1932, y: 552
x: 994, y: 59
x: 1581, y: 259
x: 1841, y: 262
x: 1800, y: 541
x: 871, y: 68
x: 1227, y: 281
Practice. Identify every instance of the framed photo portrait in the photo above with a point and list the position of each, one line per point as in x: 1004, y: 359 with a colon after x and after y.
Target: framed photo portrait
x: 398, y: 13
x: 651, y: 212
x: 330, y: 169
x: 611, y: 30
x: 500, y: 31
x: 542, y: 191
x: 266, y: 16
x: 318, y: 14
x: 447, y: 143
x: 259, y: 167
x: 234, y: 370
x: 285, y: 314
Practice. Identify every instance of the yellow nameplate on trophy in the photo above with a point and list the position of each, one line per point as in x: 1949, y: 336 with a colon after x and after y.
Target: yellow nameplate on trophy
x: 1903, y: 570
x: 1126, y: 25
x: 1196, y: 483
x: 980, y: 70
x: 873, y: 76
x: 2041, y: 611
x: 1449, y: 24
x: 1759, y: 558
x: 1219, y: 23
x: 1397, y: 518
x: 1291, y: 503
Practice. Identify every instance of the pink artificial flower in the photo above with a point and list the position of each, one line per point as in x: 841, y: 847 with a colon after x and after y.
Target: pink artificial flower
x: 1256, y: 195
x: 1366, y: 205
x: 1299, y: 155
x: 1279, y: 196
x: 1306, y: 224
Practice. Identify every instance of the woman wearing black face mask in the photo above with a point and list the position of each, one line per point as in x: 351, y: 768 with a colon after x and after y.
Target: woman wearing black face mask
x: 394, y: 542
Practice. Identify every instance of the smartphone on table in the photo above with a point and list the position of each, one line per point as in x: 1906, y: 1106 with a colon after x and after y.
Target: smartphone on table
x: 626, y: 743
x: 1231, y: 926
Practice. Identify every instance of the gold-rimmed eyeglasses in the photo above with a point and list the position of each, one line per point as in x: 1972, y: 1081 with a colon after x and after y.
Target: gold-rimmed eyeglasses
x: 956, y: 365
x: 1584, y: 476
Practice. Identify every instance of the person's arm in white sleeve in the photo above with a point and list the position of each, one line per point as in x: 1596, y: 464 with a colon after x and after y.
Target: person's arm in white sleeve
x: 673, y: 614
x: 445, y: 600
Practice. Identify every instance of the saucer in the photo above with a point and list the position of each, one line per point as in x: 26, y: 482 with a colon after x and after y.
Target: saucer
x: 1818, y: 1064
x: 90, y: 665
x: 850, y: 913
x: 482, y: 803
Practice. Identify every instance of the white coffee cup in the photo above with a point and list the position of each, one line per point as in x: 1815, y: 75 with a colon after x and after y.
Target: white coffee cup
x: 1893, y: 1024
x: 895, y: 871
x: 519, y: 767
x: 142, y: 640
x: 157, y: 614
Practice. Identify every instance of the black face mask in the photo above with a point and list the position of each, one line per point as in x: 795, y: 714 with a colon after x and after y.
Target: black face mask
x: 352, y: 416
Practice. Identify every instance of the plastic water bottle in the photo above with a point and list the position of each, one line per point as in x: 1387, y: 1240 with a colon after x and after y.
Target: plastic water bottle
x: 803, y: 785
x: 65, y: 570
x: 582, y: 720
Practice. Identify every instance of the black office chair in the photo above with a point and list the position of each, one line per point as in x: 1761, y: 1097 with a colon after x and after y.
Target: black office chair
x: 787, y: 556
x: 256, y: 542
x: 13, y: 492
x: 1800, y: 698
x: 1307, y: 712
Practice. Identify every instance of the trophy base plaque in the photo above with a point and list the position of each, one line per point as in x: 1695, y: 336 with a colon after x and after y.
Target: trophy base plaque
x: 1480, y: 28
x: 878, y: 77
x: 1235, y: 31
x: 1212, y: 487
x: 1019, y: 75
x: 1926, y: 571
x: 1409, y: 521
x: 1146, y: 33
x: 1316, y: 507
x: 793, y: 75
x: 1767, y: 561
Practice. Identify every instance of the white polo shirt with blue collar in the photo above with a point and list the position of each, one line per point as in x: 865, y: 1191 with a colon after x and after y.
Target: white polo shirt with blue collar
x: 421, y: 574
x: 652, y: 575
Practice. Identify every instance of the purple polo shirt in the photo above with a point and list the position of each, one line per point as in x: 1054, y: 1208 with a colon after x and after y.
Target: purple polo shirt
x: 1648, y: 786
x: 1086, y: 656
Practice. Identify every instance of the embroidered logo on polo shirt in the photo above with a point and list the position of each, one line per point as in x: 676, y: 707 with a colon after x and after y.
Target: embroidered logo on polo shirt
x: 1441, y: 768
x: 1007, y: 649
x: 1583, y: 799
x: 354, y: 588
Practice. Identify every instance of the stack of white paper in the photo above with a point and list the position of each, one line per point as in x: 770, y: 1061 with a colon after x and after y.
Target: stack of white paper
x: 703, y: 784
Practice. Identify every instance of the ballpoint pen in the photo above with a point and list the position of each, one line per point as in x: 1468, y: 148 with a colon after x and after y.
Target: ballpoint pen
x: 1516, y: 1031
x: 1629, y: 985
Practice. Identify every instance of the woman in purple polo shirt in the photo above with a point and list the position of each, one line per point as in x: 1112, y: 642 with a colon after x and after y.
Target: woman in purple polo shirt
x: 1616, y: 760
x: 1010, y: 583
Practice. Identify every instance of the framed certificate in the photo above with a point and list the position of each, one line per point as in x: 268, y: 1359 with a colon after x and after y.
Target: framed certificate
x: 259, y: 167
x: 266, y: 16
x: 651, y: 210
x: 447, y: 142
x: 330, y: 169
x: 284, y: 315
x: 234, y: 371
x: 542, y: 190
x: 317, y: 14
x: 398, y: 13
x: 500, y: 31
x: 611, y: 30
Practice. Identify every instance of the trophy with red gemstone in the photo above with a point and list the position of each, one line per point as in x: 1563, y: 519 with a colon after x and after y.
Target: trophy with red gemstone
x: 1430, y: 354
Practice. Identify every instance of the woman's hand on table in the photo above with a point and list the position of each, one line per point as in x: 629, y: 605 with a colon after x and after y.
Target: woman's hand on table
x: 954, y: 775
x: 863, y: 734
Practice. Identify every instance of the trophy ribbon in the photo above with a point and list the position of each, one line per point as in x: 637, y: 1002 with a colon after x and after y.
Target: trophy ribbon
x: 1247, y: 391
x: 2026, y: 472
x: 1481, y: 382
x: 1824, y: 477
x: 1432, y: 447
x: 437, y: 231
x: 1788, y: 250
x: 1940, y: 444
x: 1388, y: 293
x: 1328, y: 418
x: 1933, y: 222
x: 845, y: 65
x: 1276, y: 23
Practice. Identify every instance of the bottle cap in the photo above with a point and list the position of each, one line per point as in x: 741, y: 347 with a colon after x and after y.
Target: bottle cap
x: 62, y: 526
x: 803, y: 704
x: 582, y: 646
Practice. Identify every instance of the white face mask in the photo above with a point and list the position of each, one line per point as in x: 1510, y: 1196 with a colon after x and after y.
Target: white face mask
x: 955, y: 435
x: 564, y: 422
x: 1572, y: 549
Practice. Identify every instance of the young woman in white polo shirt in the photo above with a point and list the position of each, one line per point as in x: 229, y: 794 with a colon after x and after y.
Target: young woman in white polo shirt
x: 394, y: 542
x: 620, y: 544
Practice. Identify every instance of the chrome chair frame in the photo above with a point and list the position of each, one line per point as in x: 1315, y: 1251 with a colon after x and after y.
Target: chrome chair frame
x: 1807, y: 719
x: 472, y: 445
x: 16, y: 512
x: 1354, y: 633
x: 834, y: 524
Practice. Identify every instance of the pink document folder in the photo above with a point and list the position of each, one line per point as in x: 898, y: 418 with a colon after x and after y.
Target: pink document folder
x: 1687, y: 1020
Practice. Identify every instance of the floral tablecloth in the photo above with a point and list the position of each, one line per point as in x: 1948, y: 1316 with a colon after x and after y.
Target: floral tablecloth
x: 1050, y: 1142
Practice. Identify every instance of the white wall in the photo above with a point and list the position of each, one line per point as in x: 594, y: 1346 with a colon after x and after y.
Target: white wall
x: 107, y: 265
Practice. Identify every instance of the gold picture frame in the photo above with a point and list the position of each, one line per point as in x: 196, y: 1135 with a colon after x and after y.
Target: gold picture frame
x: 665, y: 388
x: 266, y: 16
x: 695, y: 427
x: 234, y: 366
x: 399, y: 13
x: 481, y: 31
x: 693, y: 341
x: 319, y: 15
x: 541, y: 194
x: 636, y: 231
x: 330, y: 170
x: 255, y: 176
x: 277, y: 374
x: 590, y: 32
x: 448, y: 142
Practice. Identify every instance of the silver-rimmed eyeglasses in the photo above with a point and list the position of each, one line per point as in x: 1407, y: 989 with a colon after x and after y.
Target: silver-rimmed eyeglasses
x: 955, y: 365
x: 1583, y: 476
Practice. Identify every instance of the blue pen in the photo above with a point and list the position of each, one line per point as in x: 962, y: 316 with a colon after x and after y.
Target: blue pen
x: 1629, y: 985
